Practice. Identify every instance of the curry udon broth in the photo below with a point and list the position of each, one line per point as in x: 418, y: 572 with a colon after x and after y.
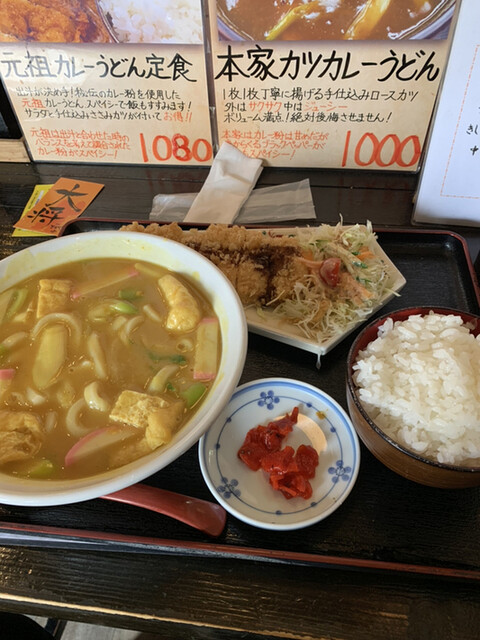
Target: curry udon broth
x: 102, y: 361
x: 327, y: 19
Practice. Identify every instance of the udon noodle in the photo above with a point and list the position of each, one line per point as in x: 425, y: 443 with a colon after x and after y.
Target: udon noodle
x: 101, y: 362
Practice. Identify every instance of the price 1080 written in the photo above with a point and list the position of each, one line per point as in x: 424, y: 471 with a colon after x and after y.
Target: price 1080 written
x: 178, y: 147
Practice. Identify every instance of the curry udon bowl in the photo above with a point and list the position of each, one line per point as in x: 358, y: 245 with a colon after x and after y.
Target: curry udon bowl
x: 157, y: 253
x: 394, y: 455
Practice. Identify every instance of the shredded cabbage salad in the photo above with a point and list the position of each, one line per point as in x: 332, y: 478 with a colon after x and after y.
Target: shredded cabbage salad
x: 321, y: 311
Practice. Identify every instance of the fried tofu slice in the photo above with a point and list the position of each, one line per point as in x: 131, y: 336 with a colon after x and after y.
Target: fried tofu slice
x: 129, y: 452
x: 21, y: 435
x: 53, y: 296
x: 184, y: 313
x: 153, y: 414
x: 163, y: 423
x: 134, y: 408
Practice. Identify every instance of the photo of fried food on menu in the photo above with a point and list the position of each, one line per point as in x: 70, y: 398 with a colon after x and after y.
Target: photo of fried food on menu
x: 51, y: 21
x: 264, y: 20
x: 124, y: 21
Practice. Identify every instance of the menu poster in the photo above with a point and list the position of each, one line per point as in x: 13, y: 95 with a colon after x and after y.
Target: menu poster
x: 328, y: 83
x: 305, y: 83
x: 103, y: 81
x: 449, y: 188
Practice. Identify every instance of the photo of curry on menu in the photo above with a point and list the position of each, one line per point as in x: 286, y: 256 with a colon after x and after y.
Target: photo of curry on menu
x: 180, y: 21
x: 266, y: 20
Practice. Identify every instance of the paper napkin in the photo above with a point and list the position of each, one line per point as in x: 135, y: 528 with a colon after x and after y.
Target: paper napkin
x: 230, y: 181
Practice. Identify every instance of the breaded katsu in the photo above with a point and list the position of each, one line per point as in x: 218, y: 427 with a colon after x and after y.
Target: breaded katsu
x: 51, y: 21
x: 262, y: 268
x: 322, y: 279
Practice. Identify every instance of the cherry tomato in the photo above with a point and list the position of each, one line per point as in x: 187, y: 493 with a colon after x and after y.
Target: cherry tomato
x: 330, y: 271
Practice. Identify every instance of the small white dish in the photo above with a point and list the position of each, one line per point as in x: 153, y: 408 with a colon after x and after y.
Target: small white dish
x: 247, y: 494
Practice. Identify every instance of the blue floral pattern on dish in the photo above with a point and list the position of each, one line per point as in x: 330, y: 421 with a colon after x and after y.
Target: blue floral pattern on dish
x: 229, y: 488
x: 268, y: 399
x: 339, y: 472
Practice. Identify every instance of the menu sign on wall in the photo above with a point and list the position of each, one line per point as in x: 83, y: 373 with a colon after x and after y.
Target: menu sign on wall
x: 328, y: 83
x: 108, y: 82
x: 312, y: 83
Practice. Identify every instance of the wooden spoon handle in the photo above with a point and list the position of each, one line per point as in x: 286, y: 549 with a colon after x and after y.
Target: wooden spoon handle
x: 209, y: 517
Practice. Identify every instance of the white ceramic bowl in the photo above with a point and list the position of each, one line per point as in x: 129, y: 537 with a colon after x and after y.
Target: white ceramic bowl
x: 246, y: 494
x: 227, y: 306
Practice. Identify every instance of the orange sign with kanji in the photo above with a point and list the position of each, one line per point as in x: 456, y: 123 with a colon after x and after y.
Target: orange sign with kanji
x: 63, y: 202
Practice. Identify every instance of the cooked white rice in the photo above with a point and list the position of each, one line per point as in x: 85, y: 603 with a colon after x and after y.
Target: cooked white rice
x: 419, y: 381
x: 150, y: 21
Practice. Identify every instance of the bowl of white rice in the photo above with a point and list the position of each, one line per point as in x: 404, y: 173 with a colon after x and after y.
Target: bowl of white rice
x: 413, y: 393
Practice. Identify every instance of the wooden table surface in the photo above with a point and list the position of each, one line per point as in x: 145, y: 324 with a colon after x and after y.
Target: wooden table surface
x: 203, y: 596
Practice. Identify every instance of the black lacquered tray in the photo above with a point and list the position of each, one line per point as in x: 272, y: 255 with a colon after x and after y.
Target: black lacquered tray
x: 387, y: 522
